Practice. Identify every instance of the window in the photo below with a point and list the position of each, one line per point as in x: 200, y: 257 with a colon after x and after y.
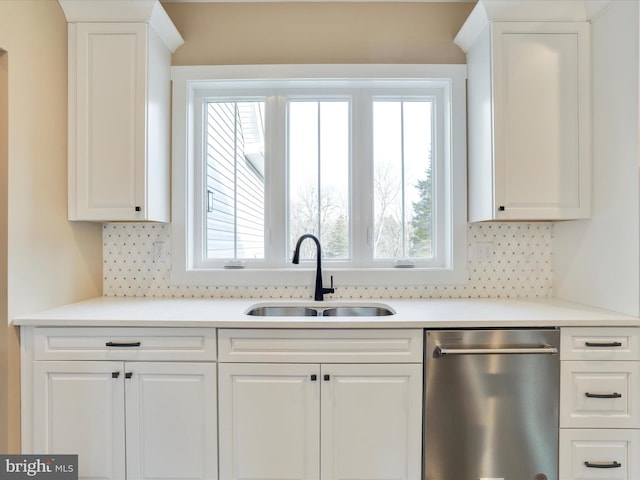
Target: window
x: 318, y: 162
x: 373, y: 165
x: 403, y: 149
x: 234, y: 153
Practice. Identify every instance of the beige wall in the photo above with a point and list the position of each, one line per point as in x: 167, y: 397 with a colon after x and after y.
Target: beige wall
x: 4, y: 341
x: 290, y: 33
x: 50, y: 260
x: 47, y: 261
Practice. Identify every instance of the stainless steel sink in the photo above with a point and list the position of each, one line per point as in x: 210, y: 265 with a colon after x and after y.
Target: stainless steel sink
x: 357, y: 312
x: 283, y: 311
x: 319, y: 311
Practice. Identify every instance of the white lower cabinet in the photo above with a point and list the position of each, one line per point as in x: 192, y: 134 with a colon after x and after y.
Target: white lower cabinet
x: 269, y: 421
x: 78, y: 408
x: 310, y: 421
x: 599, y: 394
x: 600, y: 404
x: 160, y: 417
x: 127, y: 418
x: 171, y: 425
x: 587, y: 454
x: 368, y: 421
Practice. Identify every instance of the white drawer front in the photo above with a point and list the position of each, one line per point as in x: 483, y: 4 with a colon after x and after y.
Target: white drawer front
x: 600, y: 395
x: 354, y: 346
x: 600, y: 343
x: 583, y: 451
x: 114, y: 343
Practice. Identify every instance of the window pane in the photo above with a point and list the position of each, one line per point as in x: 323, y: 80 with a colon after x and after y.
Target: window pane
x: 318, y: 141
x: 235, y: 180
x: 403, y: 189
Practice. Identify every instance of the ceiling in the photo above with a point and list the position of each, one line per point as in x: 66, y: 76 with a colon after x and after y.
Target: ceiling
x: 339, y: 1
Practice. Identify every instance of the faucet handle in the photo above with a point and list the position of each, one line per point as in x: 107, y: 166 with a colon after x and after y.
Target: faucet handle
x: 330, y: 289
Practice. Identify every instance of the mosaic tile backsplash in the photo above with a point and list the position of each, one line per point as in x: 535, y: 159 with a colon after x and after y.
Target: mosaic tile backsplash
x: 506, y: 260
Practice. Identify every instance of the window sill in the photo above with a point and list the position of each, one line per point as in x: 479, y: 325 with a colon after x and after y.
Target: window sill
x: 306, y: 276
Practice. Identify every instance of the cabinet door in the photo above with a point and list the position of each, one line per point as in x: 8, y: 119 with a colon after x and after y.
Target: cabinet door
x: 600, y: 395
x: 371, y: 421
x: 599, y: 454
x: 78, y: 408
x: 541, y: 120
x: 107, y: 72
x: 600, y: 343
x: 269, y: 421
x: 171, y: 421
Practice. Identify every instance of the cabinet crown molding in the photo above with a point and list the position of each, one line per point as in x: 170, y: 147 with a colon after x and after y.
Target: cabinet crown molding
x: 487, y: 11
x: 145, y: 11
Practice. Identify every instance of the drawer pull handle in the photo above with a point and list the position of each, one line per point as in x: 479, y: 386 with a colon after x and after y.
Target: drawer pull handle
x: 125, y: 345
x: 442, y: 351
x: 603, y: 344
x: 603, y: 395
x: 603, y: 464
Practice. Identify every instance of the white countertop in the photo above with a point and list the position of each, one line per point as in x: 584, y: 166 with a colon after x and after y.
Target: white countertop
x: 230, y: 313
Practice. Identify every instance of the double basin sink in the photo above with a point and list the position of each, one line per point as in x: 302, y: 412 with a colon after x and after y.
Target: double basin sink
x: 377, y: 310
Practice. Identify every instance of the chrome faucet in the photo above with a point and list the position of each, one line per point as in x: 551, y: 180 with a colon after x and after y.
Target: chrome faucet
x: 320, y: 290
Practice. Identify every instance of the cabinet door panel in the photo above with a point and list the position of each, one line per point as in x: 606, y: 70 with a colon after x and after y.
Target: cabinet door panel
x: 600, y: 343
x: 582, y: 451
x: 541, y: 120
x: 586, y: 388
x: 269, y: 421
x: 371, y: 422
x: 171, y: 421
x: 110, y: 110
x: 535, y: 169
x: 78, y: 408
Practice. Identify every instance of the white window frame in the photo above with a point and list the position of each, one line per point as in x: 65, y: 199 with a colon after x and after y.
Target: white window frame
x: 189, y: 83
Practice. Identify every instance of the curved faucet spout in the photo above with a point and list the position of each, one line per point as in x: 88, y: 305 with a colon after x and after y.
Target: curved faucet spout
x: 319, y: 290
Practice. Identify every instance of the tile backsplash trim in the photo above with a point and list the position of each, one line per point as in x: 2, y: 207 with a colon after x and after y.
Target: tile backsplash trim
x: 506, y: 260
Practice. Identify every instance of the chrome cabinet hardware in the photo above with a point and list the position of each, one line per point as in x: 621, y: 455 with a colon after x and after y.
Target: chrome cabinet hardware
x: 441, y: 351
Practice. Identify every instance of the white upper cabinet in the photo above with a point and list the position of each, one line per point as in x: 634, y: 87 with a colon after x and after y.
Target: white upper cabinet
x: 529, y: 117
x: 119, y: 110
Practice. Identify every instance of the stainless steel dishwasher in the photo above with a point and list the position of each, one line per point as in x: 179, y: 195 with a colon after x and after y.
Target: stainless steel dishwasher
x: 491, y: 404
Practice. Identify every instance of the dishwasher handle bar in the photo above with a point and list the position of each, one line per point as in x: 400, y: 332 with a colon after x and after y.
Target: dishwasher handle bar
x: 545, y: 349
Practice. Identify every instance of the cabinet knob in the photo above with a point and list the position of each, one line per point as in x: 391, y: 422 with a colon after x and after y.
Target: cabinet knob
x: 327, y: 378
x: 314, y: 378
x: 115, y: 374
x: 138, y: 209
x: 128, y: 374
x: 501, y: 208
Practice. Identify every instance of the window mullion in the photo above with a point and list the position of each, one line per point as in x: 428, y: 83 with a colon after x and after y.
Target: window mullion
x: 235, y: 180
x: 275, y: 178
x: 199, y: 175
x: 319, y: 174
x: 403, y: 214
x: 441, y: 182
x: 362, y: 180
